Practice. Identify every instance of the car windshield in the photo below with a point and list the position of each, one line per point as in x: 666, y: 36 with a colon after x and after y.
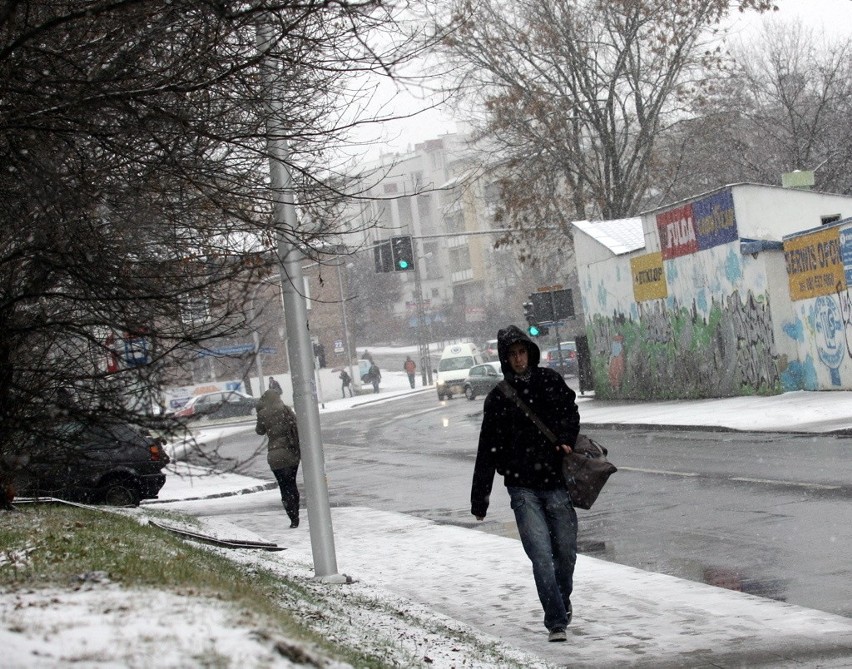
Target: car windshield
x: 452, y: 364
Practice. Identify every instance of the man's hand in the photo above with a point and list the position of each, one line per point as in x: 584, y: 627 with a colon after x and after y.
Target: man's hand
x: 565, y: 448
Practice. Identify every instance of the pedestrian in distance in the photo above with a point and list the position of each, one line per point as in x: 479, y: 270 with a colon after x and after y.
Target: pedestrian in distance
x: 410, y: 367
x: 274, y: 385
x: 345, y: 383
x: 511, y: 445
x: 278, y: 422
x: 374, y: 376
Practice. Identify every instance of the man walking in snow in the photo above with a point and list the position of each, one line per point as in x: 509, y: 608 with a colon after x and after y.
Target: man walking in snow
x: 410, y: 367
x: 531, y: 466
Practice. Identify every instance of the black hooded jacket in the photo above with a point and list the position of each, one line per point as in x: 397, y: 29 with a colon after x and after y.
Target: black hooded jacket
x: 509, y: 442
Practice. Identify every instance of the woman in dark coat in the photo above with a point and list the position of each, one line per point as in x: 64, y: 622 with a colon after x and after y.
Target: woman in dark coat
x: 278, y: 422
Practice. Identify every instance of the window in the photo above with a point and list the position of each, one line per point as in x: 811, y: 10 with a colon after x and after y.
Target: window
x: 194, y: 311
x: 452, y: 364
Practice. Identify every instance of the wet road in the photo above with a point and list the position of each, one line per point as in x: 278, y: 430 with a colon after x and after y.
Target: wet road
x: 768, y: 514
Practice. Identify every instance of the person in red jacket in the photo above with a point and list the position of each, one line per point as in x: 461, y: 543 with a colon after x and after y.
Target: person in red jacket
x: 410, y: 367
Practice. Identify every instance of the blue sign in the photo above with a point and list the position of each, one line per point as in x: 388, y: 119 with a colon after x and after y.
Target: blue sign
x: 236, y: 349
x: 846, y: 253
x: 713, y: 220
x: 136, y: 352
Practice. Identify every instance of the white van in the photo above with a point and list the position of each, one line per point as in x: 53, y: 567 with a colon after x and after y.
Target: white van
x: 456, y: 361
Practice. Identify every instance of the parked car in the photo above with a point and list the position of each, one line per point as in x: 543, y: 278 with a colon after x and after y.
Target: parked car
x: 569, y: 365
x: 481, y: 379
x: 225, y: 404
x: 116, y: 464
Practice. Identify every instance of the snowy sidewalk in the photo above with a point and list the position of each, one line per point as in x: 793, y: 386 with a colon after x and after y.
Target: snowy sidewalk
x: 623, y: 616
x: 800, y: 411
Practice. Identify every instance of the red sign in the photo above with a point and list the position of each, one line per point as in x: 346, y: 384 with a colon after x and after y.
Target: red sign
x: 677, y: 232
x: 112, y: 356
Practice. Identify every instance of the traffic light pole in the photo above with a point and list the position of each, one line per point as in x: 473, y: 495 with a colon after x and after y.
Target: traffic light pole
x: 422, y: 342
x: 299, y: 343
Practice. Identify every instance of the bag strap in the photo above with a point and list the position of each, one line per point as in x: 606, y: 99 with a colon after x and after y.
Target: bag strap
x: 512, y: 394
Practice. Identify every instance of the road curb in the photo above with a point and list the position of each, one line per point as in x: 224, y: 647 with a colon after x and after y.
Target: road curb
x: 656, y: 427
x: 232, y: 493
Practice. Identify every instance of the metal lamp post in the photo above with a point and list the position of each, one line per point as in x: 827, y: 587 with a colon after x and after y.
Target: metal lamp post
x: 298, y: 337
x: 422, y: 342
x: 343, y: 299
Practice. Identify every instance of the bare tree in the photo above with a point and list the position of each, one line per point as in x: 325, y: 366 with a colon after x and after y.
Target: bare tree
x: 782, y: 105
x: 133, y: 196
x: 576, y: 93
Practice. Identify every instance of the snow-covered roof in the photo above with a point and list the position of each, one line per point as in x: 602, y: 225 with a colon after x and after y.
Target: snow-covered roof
x: 621, y: 235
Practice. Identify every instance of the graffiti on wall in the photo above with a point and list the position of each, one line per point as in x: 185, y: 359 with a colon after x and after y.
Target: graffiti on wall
x: 844, y: 300
x: 828, y: 330
x: 819, y: 267
x: 752, y: 323
x: 673, y: 351
x: 823, y: 328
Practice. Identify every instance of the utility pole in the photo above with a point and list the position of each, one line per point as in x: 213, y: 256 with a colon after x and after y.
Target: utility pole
x: 343, y: 299
x: 422, y: 338
x: 299, y: 343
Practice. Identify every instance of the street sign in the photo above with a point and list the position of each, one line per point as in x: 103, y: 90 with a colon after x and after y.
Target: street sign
x: 553, y: 305
x: 235, y: 350
x: 136, y: 351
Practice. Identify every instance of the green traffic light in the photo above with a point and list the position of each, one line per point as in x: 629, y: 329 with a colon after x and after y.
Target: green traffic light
x: 534, y: 331
x: 403, y: 264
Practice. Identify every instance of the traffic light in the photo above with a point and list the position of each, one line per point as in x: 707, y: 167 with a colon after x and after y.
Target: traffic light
x: 532, y: 322
x: 403, y: 254
x: 383, y: 257
x: 533, y: 329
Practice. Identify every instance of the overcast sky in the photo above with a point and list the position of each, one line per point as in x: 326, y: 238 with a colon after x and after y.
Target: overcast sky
x: 833, y: 15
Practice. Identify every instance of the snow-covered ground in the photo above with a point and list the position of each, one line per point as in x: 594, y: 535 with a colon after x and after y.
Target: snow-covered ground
x: 439, y: 596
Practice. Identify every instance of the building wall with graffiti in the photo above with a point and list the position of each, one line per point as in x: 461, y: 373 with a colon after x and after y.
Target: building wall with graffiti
x: 819, y: 270
x: 693, y: 315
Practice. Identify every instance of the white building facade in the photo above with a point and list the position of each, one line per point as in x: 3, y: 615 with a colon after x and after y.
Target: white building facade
x: 694, y: 299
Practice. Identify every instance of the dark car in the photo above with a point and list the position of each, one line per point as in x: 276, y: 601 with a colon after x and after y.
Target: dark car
x: 481, y: 379
x: 568, y: 365
x: 115, y: 464
x: 225, y: 404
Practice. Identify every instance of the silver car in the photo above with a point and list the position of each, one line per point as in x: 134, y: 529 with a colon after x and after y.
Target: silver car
x: 481, y: 379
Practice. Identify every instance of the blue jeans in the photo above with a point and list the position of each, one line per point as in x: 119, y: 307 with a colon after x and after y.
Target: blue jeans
x: 547, y: 523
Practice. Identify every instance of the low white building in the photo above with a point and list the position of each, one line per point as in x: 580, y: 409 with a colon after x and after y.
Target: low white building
x: 694, y: 299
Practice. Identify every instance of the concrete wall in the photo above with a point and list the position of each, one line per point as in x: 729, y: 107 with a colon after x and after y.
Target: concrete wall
x: 820, y: 324
x: 692, y: 315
